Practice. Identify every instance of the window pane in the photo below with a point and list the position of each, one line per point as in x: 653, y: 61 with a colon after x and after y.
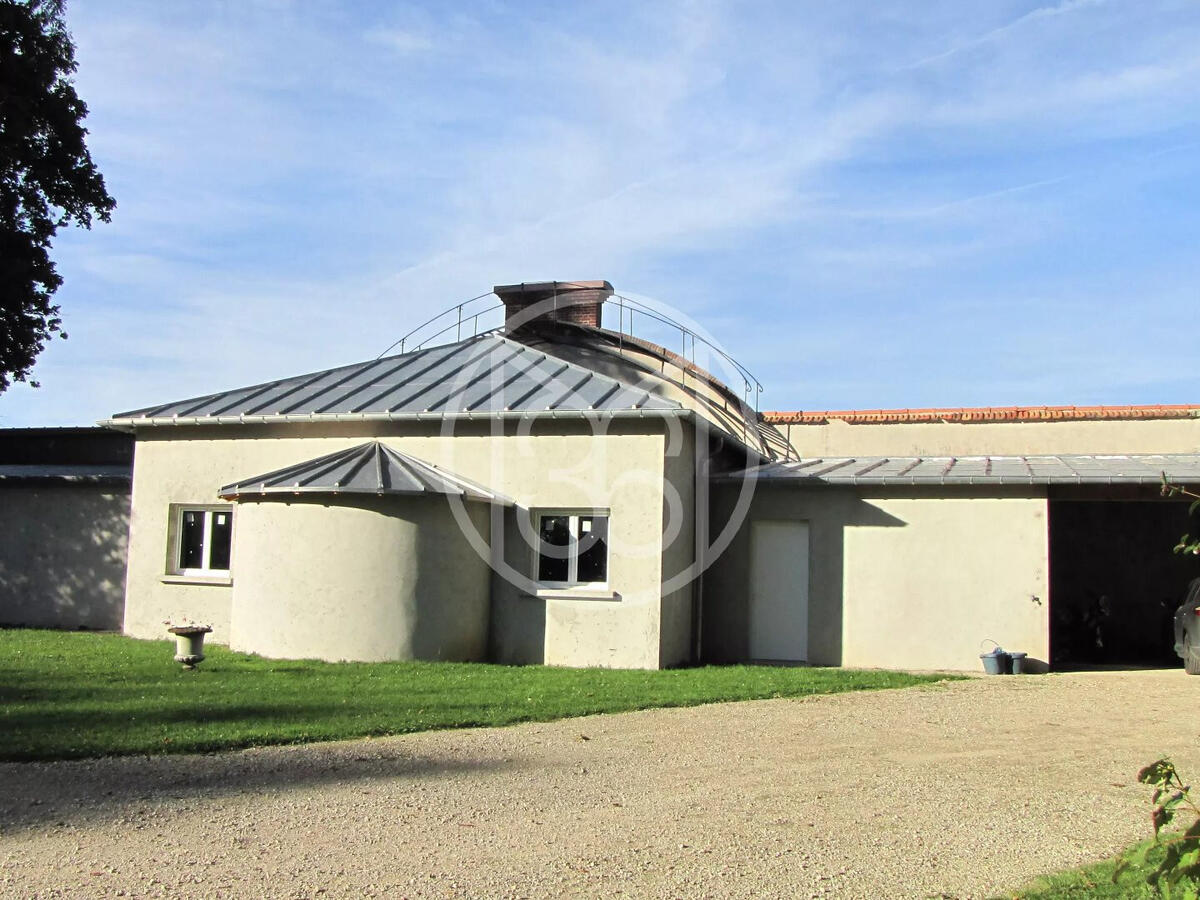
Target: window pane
x: 593, y: 548
x: 191, y: 540
x: 220, y: 534
x: 555, y: 535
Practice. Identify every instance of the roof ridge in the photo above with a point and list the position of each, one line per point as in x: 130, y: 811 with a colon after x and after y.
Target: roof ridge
x: 576, y: 367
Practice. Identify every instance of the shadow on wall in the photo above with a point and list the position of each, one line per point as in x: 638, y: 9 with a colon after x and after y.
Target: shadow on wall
x: 62, y: 558
x: 729, y: 581
x: 517, y: 625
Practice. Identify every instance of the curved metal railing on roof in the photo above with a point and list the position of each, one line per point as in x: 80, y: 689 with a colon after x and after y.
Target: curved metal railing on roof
x: 688, y: 337
x: 459, y: 318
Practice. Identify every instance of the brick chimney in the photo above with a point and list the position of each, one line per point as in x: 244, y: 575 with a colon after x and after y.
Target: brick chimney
x: 578, y: 302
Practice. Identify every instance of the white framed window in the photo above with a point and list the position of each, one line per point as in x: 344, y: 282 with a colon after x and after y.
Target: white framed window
x: 572, y: 548
x: 202, y: 540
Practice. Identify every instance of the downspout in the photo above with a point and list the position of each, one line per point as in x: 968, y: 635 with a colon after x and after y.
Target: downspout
x: 703, y: 468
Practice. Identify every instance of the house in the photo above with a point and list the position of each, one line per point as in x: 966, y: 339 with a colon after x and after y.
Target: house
x: 526, y: 495
x: 555, y: 491
x: 931, y: 532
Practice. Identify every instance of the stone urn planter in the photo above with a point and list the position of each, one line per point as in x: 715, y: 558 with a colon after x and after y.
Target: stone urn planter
x: 189, y: 643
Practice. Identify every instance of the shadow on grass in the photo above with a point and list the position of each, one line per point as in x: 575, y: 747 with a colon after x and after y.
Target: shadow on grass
x: 180, y: 713
x: 81, y: 791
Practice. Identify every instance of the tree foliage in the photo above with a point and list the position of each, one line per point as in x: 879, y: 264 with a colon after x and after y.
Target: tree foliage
x: 47, y: 177
x: 1188, y: 543
x: 1176, y: 875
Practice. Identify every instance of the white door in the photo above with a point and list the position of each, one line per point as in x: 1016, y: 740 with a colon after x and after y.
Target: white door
x: 779, y: 591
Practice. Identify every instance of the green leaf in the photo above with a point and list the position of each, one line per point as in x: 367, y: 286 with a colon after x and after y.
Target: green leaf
x: 1170, y: 862
x: 1161, y: 816
x: 1158, y: 772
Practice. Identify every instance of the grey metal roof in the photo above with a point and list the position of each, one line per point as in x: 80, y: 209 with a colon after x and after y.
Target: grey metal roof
x: 99, y: 473
x: 370, y: 468
x: 1062, y: 469
x: 482, y: 376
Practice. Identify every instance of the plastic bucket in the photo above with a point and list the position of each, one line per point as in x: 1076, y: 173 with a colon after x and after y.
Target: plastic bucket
x: 996, y: 662
x: 1018, y: 663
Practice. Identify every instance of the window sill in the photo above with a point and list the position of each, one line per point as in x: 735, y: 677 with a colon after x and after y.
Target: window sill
x: 222, y: 580
x: 576, y: 594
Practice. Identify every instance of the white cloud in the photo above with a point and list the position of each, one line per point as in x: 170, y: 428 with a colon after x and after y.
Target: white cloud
x: 400, y: 40
x: 1032, y: 17
x: 298, y: 184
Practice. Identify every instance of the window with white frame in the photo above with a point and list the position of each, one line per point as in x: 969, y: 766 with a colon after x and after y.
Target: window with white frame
x: 203, y: 539
x: 572, y: 548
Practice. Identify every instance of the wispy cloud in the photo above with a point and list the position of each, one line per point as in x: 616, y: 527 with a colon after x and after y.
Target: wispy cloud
x: 1032, y: 17
x: 401, y: 41
x: 299, y: 184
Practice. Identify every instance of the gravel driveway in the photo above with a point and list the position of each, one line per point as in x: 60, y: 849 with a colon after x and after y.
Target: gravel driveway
x: 957, y: 790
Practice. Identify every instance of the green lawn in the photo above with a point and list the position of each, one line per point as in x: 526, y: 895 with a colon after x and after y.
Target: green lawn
x: 1095, y: 882
x: 73, y: 694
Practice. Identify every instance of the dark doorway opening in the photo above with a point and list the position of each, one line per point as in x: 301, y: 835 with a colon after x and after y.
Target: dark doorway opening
x: 1114, y: 581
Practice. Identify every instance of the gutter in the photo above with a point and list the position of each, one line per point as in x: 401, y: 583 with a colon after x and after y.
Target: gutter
x: 124, y: 480
x: 131, y: 425
x: 935, y: 481
x: 230, y: 492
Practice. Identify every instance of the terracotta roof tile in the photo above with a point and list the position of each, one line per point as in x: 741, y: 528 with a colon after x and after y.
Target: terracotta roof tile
x: 984, y: 414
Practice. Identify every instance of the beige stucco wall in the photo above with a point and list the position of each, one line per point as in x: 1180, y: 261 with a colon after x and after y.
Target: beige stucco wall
x: 615, y: 465
x: 359, y: 579
x: 679, y: 546
x: 837, y: 438
x: 905, y: 578
x: 62, y: 555
x: 727, y: 581
x: 952, y: 571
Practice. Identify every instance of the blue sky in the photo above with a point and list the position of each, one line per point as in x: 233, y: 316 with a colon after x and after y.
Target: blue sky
x: 869, y: 204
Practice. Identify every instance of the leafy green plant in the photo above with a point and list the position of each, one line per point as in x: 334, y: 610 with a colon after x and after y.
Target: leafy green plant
x: 1187, y: 543
x: 1178, y: 871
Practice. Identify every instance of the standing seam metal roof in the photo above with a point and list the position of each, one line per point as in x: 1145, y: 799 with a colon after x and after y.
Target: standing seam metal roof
x: 482, y: 375
x: 370, y: 468
x: 915, y: 470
